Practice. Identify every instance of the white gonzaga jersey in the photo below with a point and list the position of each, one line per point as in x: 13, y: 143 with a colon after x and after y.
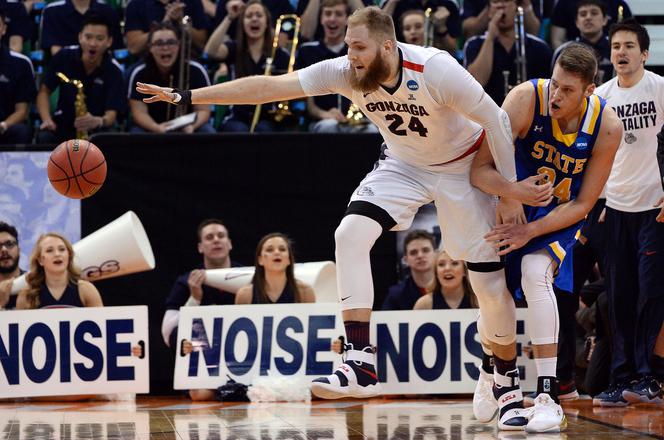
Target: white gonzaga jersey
x: 634, y: 184
x: 422, y: 119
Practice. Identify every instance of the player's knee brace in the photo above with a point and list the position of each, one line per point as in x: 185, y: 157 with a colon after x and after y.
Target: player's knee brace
x: 355, y: 234
x: 537, y: 284
x: 354, y: 239
x: 496, y: 306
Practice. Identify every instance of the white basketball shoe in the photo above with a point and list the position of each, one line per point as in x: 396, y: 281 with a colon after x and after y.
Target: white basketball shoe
x: 546, y: 415
x: 485, y: 405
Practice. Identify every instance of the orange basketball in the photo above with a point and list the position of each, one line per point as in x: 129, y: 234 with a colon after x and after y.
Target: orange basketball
x: 77, y: 169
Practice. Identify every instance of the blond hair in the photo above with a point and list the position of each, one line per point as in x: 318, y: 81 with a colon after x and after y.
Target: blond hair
x: 37, y: 277
x: 379, y: 24
x: 580, y: 60
x: 437, y: 289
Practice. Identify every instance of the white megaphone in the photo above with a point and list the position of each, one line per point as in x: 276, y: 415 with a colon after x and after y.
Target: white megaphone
x: 321, y: 275
x: 119, y: 248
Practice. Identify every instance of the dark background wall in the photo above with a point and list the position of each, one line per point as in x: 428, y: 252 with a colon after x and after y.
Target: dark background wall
x: 299, y: 184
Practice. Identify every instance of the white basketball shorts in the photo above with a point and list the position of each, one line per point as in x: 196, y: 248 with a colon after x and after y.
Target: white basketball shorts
x: 465, y: 213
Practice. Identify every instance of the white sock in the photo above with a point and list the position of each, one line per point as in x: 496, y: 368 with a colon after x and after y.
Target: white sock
x: 546, y: 366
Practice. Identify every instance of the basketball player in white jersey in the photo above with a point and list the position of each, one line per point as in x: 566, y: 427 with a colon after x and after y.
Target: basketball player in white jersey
x: 433, y: 117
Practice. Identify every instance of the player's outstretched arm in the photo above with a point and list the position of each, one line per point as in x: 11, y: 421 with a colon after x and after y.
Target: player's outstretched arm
x: 519, y: 106
x: 249, y: 90
x: 510, y: 237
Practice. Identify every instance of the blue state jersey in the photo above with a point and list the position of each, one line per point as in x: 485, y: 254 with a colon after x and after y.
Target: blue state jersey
x: 563, y: 159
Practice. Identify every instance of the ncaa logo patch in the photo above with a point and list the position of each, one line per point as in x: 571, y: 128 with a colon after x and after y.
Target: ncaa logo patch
x: 412, y: 85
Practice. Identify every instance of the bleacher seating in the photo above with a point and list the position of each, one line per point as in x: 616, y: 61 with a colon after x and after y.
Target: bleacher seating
x: 646, y: 7
x: 656, y: 32
x: 652, y: 10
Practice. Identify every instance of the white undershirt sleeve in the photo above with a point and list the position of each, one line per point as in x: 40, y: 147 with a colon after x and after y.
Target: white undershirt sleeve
x: 170, y: 321
x: 450, y: 84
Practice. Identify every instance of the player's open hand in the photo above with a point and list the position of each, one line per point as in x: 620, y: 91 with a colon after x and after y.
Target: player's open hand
x: 660, y: 205
x: 157, y: 93
x: 533, y: 191
x: 508, y: 237
x: 509, y: 211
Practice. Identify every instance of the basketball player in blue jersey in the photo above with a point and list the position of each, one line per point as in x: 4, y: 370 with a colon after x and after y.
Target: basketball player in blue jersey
x: 434, y: 117
x: 564, y: 132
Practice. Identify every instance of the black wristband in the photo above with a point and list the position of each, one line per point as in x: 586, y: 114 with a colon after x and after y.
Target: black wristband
x: 185, y: 97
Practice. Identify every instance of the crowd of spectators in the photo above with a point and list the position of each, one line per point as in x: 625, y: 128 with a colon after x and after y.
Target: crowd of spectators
x: 104, y: 48
x: 100, y: 50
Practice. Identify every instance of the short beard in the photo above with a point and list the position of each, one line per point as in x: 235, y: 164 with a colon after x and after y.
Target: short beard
x: 376, y: 73
x: 9, y: 269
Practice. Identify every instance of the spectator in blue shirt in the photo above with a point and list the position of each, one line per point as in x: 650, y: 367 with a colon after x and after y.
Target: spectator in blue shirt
x: 444, y: 16
x: 274, y: 279
x: 310, y: 10
x: 419, y: 256
x: 563, y: 28
x: 276, y: 8
x: 19, y: 26
x: 413, y: 23
x: 307, y: 10
x: 142, y: 15
x: 17, y: 90
x: 590, y: 21
x: 9, y: 270
x: 475, y: 15
x: 490, y: 58
x: 161, y: 66
x: 245, y: 56
x: 450, y: 288
x: 62, y: 21
x: 102, y: 80
x: 328, y: 112
x: 214, y: 245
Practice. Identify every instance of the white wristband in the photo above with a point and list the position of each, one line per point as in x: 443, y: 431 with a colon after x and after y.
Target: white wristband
x: 192, y: 302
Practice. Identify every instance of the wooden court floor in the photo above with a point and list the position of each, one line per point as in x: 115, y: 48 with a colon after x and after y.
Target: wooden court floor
x: 173, y: 418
